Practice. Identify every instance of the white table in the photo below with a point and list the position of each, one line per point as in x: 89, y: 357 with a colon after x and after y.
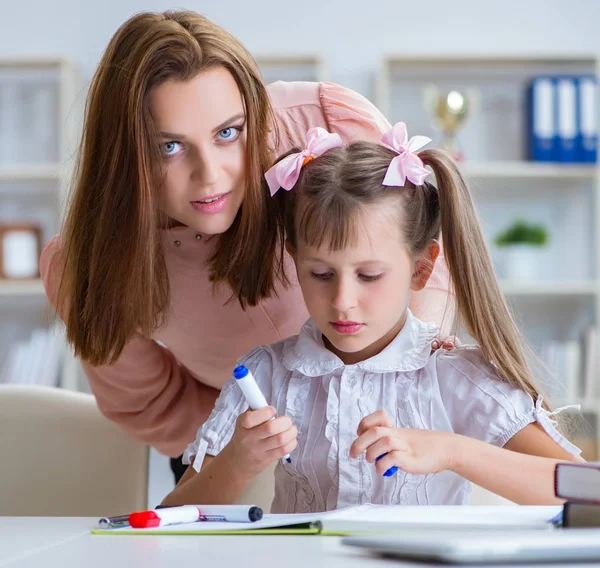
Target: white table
x: 67, y: 543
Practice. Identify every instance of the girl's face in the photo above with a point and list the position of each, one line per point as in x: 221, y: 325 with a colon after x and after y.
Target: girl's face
x: 201, y: 125
x: 358, y: 297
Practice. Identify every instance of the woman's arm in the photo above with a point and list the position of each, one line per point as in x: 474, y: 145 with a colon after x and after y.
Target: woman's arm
x: 146, y: 391
x: 151, y: 396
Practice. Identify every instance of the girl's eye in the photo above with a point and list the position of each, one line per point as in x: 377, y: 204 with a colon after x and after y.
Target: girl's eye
x: 171, y: 148
x: 370, y: 277
x: 229, y: 134
x: 321, y: 275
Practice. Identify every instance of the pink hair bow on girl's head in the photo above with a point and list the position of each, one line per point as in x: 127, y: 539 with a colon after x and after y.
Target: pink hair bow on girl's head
x: 286, y: 172
x: 407, y: 165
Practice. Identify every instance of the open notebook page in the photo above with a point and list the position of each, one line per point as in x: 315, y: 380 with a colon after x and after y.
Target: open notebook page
x: 375, y: 517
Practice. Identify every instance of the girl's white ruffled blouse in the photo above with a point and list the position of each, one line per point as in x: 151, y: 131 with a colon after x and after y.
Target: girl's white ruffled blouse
x: 456, y: 391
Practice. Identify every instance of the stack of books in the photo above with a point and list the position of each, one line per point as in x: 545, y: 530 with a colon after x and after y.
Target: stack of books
x: 579, y: 484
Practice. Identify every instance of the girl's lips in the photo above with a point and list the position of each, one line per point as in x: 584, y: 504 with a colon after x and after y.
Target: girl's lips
x: 346, y: 327
x: 215, y: 206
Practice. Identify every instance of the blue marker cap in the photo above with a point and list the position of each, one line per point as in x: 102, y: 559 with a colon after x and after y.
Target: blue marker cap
x: 391, y: 471
x: 240, y: 372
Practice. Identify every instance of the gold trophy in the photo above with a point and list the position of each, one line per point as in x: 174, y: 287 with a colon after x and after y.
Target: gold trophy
x: 449, y: 111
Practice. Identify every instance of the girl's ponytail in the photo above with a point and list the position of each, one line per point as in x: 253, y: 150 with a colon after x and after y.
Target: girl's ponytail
x: 479, y: 301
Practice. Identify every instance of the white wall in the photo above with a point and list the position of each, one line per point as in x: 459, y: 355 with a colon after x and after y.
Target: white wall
x: 351, y: 34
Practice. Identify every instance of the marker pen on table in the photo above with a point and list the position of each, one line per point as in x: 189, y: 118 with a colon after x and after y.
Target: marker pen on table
x: 113, y: 522
x: 195, y: 513
x: 254, y: 397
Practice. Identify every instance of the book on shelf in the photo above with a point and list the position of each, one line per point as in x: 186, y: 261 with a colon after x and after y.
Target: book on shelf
x: 578, y: 481
x: 36, y: 360
x: 563, y: 360
x: 573, y: 368
x: 591, y: 349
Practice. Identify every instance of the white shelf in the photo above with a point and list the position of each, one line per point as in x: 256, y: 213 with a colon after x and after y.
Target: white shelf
x: 27, y: 172
x: 292, y: 67
x: 33, y: 287
x: 550, y: 288
x: 488, y: 58
x: 528, y: 170
x: 291, y: 59
x: 34, y: 61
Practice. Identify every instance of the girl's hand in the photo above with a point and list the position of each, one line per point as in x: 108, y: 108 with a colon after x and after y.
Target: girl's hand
x: 258, y: 441
x: 447, y: 343
x: 412, y: 450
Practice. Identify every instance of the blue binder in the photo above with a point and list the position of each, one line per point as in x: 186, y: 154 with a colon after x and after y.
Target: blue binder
x: 542, y: 120
x: 587, y: 135
x: 566, y: 119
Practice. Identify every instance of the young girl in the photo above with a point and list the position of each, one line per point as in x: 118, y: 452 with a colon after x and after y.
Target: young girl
x: 171, y: 239
x: 358, y: 383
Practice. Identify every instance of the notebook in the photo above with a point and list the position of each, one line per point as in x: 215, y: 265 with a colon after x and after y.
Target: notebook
x: 369, y: 519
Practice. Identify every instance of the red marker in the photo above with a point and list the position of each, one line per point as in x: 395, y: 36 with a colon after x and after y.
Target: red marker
x: 195, y: 513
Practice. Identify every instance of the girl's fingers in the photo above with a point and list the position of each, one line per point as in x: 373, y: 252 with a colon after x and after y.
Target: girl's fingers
x: 382, y: 446
x: 252, y: 418
x: 280, y: 440
x: 278, y: 453
x: 273, y: 427
x: 393, y: 458
x: 366, y: 439
x: 379, y: 418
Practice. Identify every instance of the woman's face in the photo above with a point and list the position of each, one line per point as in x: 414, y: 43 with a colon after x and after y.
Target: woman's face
x: 201, y: 126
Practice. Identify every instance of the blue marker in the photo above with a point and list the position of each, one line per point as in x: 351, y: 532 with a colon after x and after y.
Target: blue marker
x: 390, y: 471
x: 254, y: 397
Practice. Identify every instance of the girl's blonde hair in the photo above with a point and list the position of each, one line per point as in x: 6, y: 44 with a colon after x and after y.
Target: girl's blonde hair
x: 115, y: 281
x: 321, y: 210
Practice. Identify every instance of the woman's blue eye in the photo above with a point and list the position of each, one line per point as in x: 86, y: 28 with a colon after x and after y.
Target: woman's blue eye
x: 229, y: 134
x: 171, y: 148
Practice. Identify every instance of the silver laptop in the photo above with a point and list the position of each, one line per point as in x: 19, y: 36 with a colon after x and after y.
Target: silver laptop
x: 470, y: 547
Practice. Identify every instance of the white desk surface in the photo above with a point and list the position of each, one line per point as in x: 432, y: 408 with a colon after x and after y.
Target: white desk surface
x: 67, y: 543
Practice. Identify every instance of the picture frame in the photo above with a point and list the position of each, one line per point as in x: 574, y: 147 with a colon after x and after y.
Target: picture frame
x: 20, y: 249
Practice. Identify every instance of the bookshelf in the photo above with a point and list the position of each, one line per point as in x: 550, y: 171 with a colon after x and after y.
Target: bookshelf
x: 39, y: 129
x: 292, y: 67
x: 563, y: 302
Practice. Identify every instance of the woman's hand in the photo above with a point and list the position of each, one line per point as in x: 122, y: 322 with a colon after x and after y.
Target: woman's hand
x: 259, y: 440
x: 447, y: 343
x: 412, y: 450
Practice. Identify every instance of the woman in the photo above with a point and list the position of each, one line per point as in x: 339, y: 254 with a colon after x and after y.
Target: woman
x: 171, y: 260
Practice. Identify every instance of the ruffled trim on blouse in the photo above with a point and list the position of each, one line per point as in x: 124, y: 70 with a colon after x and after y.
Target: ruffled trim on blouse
x: 331, y: 433
x: 410, y: 350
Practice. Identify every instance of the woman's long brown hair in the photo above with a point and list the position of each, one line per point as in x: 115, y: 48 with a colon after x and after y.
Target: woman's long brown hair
x: 115, y: 281
x: 322, y: 210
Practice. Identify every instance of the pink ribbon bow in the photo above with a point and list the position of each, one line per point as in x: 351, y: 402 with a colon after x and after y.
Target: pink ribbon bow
x: 407, y: 165
x: 286, y: 172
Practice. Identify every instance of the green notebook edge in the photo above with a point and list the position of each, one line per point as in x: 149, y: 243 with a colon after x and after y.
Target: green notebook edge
x: 304, y: 529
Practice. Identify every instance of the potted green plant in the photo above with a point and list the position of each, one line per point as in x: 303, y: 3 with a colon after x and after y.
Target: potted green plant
x: 522, y: 244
